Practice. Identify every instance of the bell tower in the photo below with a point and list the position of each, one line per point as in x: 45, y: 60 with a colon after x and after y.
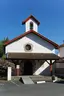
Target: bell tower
x: 31, y: 23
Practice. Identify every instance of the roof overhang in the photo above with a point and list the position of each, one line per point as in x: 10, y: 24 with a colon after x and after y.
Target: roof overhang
x: 62, y: 45
x: 34, y: 56
x: 61, y: 60
x: 56, y: 46
x: 31, y: 17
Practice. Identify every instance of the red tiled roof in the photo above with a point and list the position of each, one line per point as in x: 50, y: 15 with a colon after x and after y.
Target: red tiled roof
x: 32, y: 31
x: 62, y: 45
x: 32, y: 17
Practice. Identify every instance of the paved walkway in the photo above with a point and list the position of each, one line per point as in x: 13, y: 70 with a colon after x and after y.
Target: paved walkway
x: 18, y: 89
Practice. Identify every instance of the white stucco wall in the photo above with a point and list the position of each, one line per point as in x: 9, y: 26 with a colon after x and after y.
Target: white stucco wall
x: 9, y: 73
x: 35, y: 26
x: 38, y: 45
x: 61, y: 52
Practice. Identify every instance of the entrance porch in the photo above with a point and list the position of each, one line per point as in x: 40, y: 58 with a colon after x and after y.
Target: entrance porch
x: 33, y: 63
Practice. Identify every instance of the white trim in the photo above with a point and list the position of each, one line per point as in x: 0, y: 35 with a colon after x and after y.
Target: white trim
x: 39, y: 82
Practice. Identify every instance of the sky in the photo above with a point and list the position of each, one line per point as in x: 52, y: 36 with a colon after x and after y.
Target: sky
x: 50, y: 13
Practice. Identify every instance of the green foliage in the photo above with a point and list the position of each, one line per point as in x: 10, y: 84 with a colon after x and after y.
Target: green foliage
x: 3, y: 56
x: 2, y: 46
x: 1, y: 49
x: 5, y: 40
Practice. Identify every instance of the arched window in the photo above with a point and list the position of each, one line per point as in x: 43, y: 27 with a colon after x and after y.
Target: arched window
x: 31, y: 25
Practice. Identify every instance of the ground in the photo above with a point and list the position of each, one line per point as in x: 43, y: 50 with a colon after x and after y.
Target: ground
x: 17, y: 89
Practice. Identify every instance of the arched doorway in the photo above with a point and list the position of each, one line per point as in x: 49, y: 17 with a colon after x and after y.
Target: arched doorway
x: 28, y: 68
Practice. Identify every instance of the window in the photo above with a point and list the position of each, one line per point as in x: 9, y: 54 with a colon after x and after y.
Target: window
x: 28, y: 47
x: 31, y: 25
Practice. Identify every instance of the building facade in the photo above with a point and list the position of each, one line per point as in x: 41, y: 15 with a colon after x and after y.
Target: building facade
x: 31, y: 52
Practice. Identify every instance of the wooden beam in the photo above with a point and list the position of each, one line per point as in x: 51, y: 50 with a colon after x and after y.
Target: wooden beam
x: 51, y: 67
x: 47, y: 62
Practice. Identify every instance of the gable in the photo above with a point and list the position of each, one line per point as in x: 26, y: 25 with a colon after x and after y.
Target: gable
x: 31, y: 17
x: 38, y: 44
x: 31, y: 31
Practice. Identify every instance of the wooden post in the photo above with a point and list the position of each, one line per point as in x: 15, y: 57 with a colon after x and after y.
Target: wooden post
x: 17, y: 70
x: 52, y: 70
x: 51, y: 67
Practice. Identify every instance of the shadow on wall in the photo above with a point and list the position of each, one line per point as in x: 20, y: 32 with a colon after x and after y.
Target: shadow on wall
x: 39, y: 40
x: 59, y: 70
x: 46, y: 72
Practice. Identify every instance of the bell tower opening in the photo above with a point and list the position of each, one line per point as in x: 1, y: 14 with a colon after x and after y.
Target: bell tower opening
x: 31, y: 25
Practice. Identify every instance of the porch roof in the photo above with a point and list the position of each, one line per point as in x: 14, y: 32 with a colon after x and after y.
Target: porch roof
x: 35, y: 56
x: 61, y: 60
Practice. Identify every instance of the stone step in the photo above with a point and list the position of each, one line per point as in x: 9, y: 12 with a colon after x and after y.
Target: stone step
x: 27, y: 80
x: 34, y: 78
x: 41, y: 78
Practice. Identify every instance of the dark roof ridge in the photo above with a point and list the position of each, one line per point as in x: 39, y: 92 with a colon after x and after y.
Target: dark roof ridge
x: 31, y: 16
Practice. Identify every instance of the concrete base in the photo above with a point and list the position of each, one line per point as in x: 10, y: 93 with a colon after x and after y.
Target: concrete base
x: 39, y: 82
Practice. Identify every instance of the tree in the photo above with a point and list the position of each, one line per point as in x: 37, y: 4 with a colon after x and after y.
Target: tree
x: 5, y: 40
x: 2, y: 46
x: 1, y: 49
